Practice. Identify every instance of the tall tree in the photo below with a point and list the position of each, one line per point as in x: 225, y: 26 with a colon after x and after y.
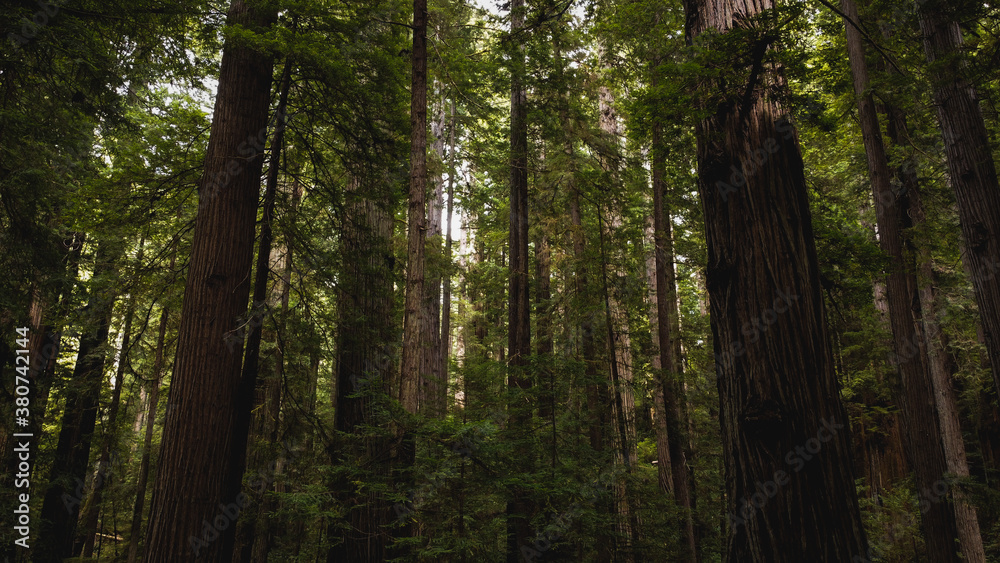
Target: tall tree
x: 778, y: 391
x: 366, y: 334
x: 519, y: 304
x: 197, y: 493
x: 152, y: 400
x: 265, y: 391
x: 61, y: 506
x: 971, y: 168
x: 668, y: 340
x: 413, y: 338
x: 917, y: 398
x: 91, y: 513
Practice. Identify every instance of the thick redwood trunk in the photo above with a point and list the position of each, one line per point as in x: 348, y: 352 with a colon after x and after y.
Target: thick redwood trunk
x: 413, y: 341
x: 789, y: 475
x: 197, y: 494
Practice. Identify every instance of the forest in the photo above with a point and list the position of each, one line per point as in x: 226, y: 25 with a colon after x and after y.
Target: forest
x: 472, y: 281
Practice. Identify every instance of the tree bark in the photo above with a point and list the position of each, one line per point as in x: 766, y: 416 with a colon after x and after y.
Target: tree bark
x: 261, y: 423
x: 668, y: 335
x: 916, y: 400
x: 67, y: 476
x: 544, y: 343
x: 619, y: 339
x: 777, y: 386
x: 365, y: 364
x: 936, y: 354
x: 446, y: 299
x: 971, y: 168
x: 519, y: 305
x: 147, y: 442
x: 433, y: 387
x: 197, y: 494
x: 663, y: 467
x: 413, y: 340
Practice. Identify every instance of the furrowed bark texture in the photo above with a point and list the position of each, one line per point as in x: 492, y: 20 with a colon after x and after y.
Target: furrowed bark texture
x: 668, y: 335
x: 197, y: 482
x: 777, y: 387
x: 416, y: 216
x: 971, y: 168
x: 519, y: 305
x: 920, y: 416
x: 414, y: 341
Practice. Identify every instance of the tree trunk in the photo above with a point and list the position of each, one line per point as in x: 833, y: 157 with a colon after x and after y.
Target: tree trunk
x: 147, y: 442
x: 446, y: 299
x: 432, y: 384
x: 197, y: 494
x: 663, y: 467
x: 619, y: 340
x: 544, y: 344
x: 668, y: 335
x: 258, y: 423
x: 414, y: 340
x: 623, y: 412
x: 936, y: 351
x: 92, y: 508
x: 596, y: 390
x: 917, y: 397
x: 365, y: 364
x: 519, y: 305
x: 67, y: 476
x: 789, y: 475
x: 971, y: 168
